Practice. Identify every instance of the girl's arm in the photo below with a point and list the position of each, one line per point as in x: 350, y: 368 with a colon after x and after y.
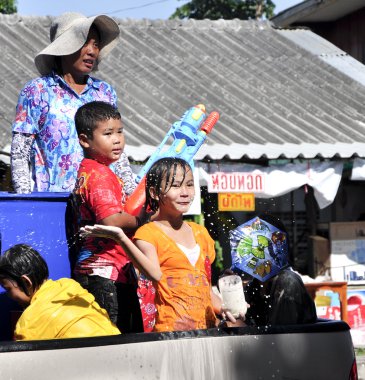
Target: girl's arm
x: 122, y: 220
x: 216, y: 302
x: 228, y: 318
x: 143, y: 255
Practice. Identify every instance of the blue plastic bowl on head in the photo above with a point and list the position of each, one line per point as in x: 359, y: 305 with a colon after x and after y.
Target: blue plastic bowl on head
x: 259, y: 249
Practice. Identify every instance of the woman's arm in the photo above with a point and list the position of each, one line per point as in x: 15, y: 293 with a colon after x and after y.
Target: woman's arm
x: 19, y: 158
x: 143, y: 255
x: 123, y: 170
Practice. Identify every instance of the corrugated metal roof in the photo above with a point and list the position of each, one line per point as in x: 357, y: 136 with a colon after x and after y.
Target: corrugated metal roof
x: 277, y: 97
x: 327, y: 52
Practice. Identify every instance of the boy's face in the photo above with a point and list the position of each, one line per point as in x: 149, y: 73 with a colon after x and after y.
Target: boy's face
x: 14, y: 292
x: 107, y: 143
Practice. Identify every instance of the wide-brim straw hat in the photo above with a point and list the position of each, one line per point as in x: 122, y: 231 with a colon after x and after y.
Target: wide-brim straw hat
x: 69, y: 32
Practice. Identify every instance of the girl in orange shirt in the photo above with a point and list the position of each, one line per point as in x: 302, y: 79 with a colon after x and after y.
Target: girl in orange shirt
x: 176, y: 255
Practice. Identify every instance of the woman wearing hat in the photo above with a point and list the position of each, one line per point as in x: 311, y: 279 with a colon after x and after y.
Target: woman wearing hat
x: 44, y: 133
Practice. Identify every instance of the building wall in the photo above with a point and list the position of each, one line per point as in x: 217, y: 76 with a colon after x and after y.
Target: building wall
x: 348, y: 33
x: 293, y: 210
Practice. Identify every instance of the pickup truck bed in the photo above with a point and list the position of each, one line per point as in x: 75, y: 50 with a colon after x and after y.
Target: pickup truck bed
x: 319, y: 351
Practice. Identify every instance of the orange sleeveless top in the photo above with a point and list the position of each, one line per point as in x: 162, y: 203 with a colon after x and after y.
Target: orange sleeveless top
x: 183, y: 299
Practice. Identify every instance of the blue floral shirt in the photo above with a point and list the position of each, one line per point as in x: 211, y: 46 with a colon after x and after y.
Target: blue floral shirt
x: 46, y: 109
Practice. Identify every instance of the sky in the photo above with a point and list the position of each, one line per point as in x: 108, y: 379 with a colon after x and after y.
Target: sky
x: 133, y: 9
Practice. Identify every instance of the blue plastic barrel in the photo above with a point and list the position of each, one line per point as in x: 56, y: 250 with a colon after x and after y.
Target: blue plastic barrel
x: 37, y: 219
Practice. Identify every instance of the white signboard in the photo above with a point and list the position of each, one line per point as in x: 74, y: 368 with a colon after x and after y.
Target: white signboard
x: 347, y: 251
x: 348, y: 260
x: 236, y: 182
x: 275, y: 180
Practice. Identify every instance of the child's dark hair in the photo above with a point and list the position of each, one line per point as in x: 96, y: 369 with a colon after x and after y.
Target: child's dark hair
x: 273, y: 220
x: 20, y: 260
x: 163, y: 169
x: 88, y: 115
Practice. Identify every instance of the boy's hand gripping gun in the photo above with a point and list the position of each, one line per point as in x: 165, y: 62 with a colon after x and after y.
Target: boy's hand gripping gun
x: 188, y: 133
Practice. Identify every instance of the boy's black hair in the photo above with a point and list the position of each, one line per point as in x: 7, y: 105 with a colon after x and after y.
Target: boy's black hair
x: 163, y: 169
x: 20, y: 260
x: 89, y: 114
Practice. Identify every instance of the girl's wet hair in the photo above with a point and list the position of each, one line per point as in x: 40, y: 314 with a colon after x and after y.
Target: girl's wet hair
x: 163, y: 170
x: 22, y: 260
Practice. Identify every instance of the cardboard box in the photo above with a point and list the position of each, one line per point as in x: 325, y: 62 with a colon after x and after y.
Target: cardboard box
x: 320, y: 249
x: 347, y: 251
x: 347, y: 230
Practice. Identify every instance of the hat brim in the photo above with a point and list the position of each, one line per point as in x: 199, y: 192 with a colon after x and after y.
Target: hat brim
x: 74, y: 38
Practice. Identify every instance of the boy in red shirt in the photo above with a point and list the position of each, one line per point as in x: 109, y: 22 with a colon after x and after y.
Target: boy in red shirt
x: 102, y: 267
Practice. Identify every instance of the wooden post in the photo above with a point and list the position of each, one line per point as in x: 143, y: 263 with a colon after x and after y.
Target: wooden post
x: 311, y: 212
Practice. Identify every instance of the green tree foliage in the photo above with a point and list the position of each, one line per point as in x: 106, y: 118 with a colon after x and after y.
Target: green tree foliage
x: 226, y: 9
x: 8, y: 6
